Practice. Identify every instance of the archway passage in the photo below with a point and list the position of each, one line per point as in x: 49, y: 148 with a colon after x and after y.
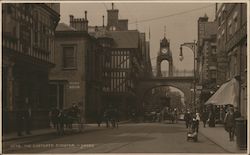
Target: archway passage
x: 164, y: 96
x: 184, y: 84
x: 160, y: 103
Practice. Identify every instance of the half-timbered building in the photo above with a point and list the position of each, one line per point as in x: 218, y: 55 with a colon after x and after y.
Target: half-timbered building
x: 27, y: 53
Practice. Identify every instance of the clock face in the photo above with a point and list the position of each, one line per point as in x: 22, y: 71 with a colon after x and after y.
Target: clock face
x: 164, y: 50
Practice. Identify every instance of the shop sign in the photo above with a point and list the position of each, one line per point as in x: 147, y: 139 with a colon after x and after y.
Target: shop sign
x: 74, y: 85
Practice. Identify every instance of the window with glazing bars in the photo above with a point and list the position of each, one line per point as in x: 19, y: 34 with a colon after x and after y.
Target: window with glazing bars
x: 69, y: 58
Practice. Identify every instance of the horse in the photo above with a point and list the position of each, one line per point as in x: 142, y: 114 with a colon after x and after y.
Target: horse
x: 62, y: 119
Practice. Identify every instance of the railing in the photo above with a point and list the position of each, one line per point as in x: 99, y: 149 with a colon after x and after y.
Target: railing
x: 177, y: 73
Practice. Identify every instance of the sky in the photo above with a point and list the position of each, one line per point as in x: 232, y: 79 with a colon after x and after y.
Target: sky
x: 180, y: 22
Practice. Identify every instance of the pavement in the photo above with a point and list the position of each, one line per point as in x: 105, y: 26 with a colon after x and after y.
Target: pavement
x: 219, y: 136
x: 41, y: 132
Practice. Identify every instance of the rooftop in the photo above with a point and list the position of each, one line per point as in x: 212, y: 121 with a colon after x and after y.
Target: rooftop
x: 64, y: 27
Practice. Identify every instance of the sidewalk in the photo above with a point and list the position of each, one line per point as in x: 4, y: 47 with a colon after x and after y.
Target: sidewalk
x: 40, y: 132
x: 219, y: 136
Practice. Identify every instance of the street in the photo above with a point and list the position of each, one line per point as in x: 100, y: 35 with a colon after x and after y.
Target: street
x: 128, y: 138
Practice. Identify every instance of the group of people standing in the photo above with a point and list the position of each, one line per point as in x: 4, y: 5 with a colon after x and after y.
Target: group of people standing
x: 192, y: 120
x: 208, y: 117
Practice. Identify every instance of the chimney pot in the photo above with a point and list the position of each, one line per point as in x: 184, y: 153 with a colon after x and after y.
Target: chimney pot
x: 71, y: 17
x: 85, y: 15
x: 103, y: 21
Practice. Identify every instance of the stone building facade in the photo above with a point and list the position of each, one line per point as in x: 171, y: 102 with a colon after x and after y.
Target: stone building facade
x: 232, y: 46
x: 27, y: 52
x: 68, y: 77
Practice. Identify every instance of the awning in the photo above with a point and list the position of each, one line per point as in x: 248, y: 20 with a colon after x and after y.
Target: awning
x: 228, y: 93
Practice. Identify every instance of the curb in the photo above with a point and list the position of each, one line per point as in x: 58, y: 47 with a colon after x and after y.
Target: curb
x: 45, y: 133
x: 216, y: 143
x: 27, y: 136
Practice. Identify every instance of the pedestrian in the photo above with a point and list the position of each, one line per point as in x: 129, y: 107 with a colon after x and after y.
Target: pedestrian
x: 19, y: 119
x: 188, y: 118
x: 194, y: 123
x: 54, y: 119
x: 99, y: 118
x: 197, y: 118
x: 61, y: 121
x: 204, y: 117
x: 211, y: 117
x: 106, y: 117
x: 229, y: 123
x: 116, y: 117
x: 28, y: 116
x: 175, y: 115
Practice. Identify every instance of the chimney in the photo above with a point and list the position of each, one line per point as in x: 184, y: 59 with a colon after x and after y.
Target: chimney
x: 71, y: 18
x: 216, y: 9
x: 103, y: 21
x: 86, y: 15
x: 112, y: 17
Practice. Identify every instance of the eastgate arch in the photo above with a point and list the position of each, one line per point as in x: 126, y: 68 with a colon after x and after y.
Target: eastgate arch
x: 182, y: 83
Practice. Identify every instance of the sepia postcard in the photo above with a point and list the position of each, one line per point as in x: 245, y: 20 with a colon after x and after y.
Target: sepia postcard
x: 166, y: 77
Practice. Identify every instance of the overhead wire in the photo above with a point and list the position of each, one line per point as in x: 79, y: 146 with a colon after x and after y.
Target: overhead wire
x: 170, y: 15
x: 105, y: 6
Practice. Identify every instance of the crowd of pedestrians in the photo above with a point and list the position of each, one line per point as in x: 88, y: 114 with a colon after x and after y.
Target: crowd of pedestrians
x: 208, y: 117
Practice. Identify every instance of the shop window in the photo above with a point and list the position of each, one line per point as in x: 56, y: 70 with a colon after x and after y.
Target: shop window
x: 69, y: 58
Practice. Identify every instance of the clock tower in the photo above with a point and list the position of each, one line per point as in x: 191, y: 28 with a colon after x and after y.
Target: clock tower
x: 164, y: 54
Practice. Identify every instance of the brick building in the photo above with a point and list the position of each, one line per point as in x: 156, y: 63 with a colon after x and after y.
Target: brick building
x: 68, y: 77
x: 27, y: 52
x: 206, y: 57
x: 232, y: 47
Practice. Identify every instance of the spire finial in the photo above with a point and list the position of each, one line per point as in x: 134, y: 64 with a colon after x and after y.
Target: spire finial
x: 165, y: 31
x: 112, y: 6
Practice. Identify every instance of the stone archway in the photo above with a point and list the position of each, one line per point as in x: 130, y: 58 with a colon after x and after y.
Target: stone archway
x: 157, y: 99
x: 182, y: 83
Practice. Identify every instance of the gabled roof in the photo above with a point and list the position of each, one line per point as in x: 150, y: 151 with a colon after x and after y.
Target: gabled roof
x: 64, y: 27
x: 125, y: 39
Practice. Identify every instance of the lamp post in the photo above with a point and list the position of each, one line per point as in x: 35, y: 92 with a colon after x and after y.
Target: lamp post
x: 193, y: 47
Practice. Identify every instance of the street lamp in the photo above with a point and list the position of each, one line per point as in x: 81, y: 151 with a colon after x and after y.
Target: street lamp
x: 181, y: 55
x: 192, y: 46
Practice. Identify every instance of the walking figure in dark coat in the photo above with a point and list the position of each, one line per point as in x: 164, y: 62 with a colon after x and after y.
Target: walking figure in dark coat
x: 188, y: 118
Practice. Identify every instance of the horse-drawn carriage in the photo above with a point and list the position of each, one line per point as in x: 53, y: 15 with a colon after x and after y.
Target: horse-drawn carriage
x: 67, y: 120
x: 169, y: 115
